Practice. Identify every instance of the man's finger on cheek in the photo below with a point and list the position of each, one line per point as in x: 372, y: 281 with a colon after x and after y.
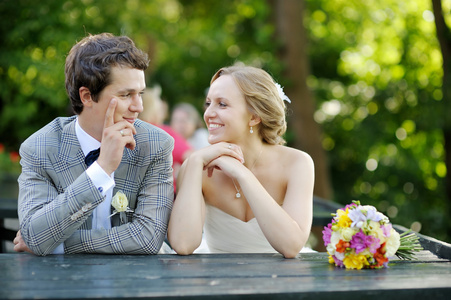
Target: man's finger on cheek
x: 109, y: 115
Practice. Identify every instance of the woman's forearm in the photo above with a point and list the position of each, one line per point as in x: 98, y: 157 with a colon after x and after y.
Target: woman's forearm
x: 187, y: 217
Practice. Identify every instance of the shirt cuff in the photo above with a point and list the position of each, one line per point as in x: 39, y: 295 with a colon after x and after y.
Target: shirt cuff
x: 59, y: 249
x: 102, y: 181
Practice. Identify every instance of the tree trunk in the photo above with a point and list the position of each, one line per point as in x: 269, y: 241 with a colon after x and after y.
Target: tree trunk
x: 444, y: 38
x: 293, y: 53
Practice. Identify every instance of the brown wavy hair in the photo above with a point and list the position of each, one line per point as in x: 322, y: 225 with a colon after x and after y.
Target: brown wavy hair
x: 90, y: 61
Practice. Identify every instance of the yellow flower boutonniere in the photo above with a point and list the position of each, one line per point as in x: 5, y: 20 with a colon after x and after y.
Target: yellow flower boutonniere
x: 120, y: 205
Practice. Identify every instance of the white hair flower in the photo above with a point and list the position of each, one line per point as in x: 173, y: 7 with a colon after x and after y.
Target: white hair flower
x: 281, y: 93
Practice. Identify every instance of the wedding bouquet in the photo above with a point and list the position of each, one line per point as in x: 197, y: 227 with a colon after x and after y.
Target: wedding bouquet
x: 361, y: 237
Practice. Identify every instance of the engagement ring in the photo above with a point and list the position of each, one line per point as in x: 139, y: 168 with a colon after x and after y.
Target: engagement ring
x: 121, y: 132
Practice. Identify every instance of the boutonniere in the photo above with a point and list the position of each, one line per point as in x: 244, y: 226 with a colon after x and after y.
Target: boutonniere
x: 120, y: 205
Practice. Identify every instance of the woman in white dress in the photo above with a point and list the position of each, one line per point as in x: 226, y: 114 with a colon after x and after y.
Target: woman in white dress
x: 246, y: 190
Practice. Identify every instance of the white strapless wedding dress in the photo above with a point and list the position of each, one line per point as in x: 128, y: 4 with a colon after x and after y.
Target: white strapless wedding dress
x: 224, y: 233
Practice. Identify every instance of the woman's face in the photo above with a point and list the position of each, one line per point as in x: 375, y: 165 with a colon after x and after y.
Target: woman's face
x: 226, y: 114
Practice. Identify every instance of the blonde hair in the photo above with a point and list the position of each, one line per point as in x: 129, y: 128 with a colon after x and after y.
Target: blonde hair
x: 262, y: 99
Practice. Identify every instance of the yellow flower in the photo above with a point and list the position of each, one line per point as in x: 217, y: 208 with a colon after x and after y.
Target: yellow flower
x: 119, y: 202
x: 353, y: 261
x: 331, y: 259
x: 374, y: 228
x: 343, y: 219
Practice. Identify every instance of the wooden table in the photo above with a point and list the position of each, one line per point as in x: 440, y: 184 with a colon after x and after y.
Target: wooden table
x: 217, y: 276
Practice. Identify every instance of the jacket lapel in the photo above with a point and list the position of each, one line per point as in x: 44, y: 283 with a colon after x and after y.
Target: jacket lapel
x: 69, y: 162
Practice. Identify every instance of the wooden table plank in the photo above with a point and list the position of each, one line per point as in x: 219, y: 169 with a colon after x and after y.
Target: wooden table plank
x: 221, y: 276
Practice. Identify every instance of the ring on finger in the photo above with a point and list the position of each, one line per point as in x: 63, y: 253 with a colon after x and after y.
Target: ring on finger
x: 230, y: 146
x: 122, y: 132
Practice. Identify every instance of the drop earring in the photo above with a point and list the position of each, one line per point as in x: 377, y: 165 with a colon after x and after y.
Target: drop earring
x: 251, y: 131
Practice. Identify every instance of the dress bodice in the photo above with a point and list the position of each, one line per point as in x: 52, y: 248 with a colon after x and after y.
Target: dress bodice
x: 225, y: 233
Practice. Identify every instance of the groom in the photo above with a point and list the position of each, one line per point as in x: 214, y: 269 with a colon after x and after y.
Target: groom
x: 65, y: 199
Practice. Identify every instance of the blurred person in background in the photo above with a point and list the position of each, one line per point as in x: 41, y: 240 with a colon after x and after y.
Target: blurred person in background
x: 186, y: 120
x: 155, y: 111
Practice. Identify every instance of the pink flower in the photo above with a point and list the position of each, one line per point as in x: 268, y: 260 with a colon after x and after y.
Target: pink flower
x: 386, y: 229
x: 360, y: 241
x: 338, y: 262
x: 327, y: 232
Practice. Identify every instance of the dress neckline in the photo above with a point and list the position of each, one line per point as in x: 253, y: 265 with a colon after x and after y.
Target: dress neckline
x: 230, y: 216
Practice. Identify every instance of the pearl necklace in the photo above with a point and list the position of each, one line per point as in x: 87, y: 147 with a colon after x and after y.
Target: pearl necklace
x: 238, y: 194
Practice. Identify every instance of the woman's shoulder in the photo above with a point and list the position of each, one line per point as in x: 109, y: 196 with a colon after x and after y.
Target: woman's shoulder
x: 295, y: 166
x: 292, y: 155
x: 292, y: 160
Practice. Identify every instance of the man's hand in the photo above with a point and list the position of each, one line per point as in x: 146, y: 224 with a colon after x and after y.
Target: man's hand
x: 19, y: 244
x: 115, y: 137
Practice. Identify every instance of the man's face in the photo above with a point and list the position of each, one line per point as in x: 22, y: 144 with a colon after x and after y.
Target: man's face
x: 127, y: 86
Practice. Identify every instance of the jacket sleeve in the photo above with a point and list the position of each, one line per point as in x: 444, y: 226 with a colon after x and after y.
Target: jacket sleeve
x: 47, y: 215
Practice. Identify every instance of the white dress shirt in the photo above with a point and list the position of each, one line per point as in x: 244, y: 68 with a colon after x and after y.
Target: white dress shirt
x: 103, y: 182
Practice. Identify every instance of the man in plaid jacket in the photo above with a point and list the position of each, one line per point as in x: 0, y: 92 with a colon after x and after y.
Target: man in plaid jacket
x: 65, y: 199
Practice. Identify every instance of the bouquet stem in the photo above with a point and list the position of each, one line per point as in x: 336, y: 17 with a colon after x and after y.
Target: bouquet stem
x: 409, y: 245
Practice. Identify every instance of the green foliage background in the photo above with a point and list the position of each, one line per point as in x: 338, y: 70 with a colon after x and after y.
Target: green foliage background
x: 376, y: 77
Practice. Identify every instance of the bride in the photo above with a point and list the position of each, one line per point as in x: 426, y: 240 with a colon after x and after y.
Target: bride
x: 246, y: 191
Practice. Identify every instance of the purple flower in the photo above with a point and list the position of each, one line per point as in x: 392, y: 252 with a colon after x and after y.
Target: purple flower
x: 338, y: 262
x: 372, y: 243
x: 372, y: 214
x: 360, y: 241
x: 362, y: 214
x: 327, y: 232
x: 357, y: 217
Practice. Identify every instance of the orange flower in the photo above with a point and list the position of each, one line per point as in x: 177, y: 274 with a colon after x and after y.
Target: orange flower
x: 342, y: 245
x: 379, y: 256
x: 2, y: 148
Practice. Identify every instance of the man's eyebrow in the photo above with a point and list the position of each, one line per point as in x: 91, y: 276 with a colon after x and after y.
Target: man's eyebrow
x: 129, y: 91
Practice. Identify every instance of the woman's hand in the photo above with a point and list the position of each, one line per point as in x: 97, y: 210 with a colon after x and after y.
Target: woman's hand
x: 215, y: 151
x: 228, y: 165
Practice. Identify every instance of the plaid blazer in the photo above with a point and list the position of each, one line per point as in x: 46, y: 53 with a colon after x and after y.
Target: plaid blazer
x: 56, y: 197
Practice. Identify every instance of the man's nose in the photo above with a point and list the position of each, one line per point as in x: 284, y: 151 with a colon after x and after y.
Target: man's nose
x: 137, y: 104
